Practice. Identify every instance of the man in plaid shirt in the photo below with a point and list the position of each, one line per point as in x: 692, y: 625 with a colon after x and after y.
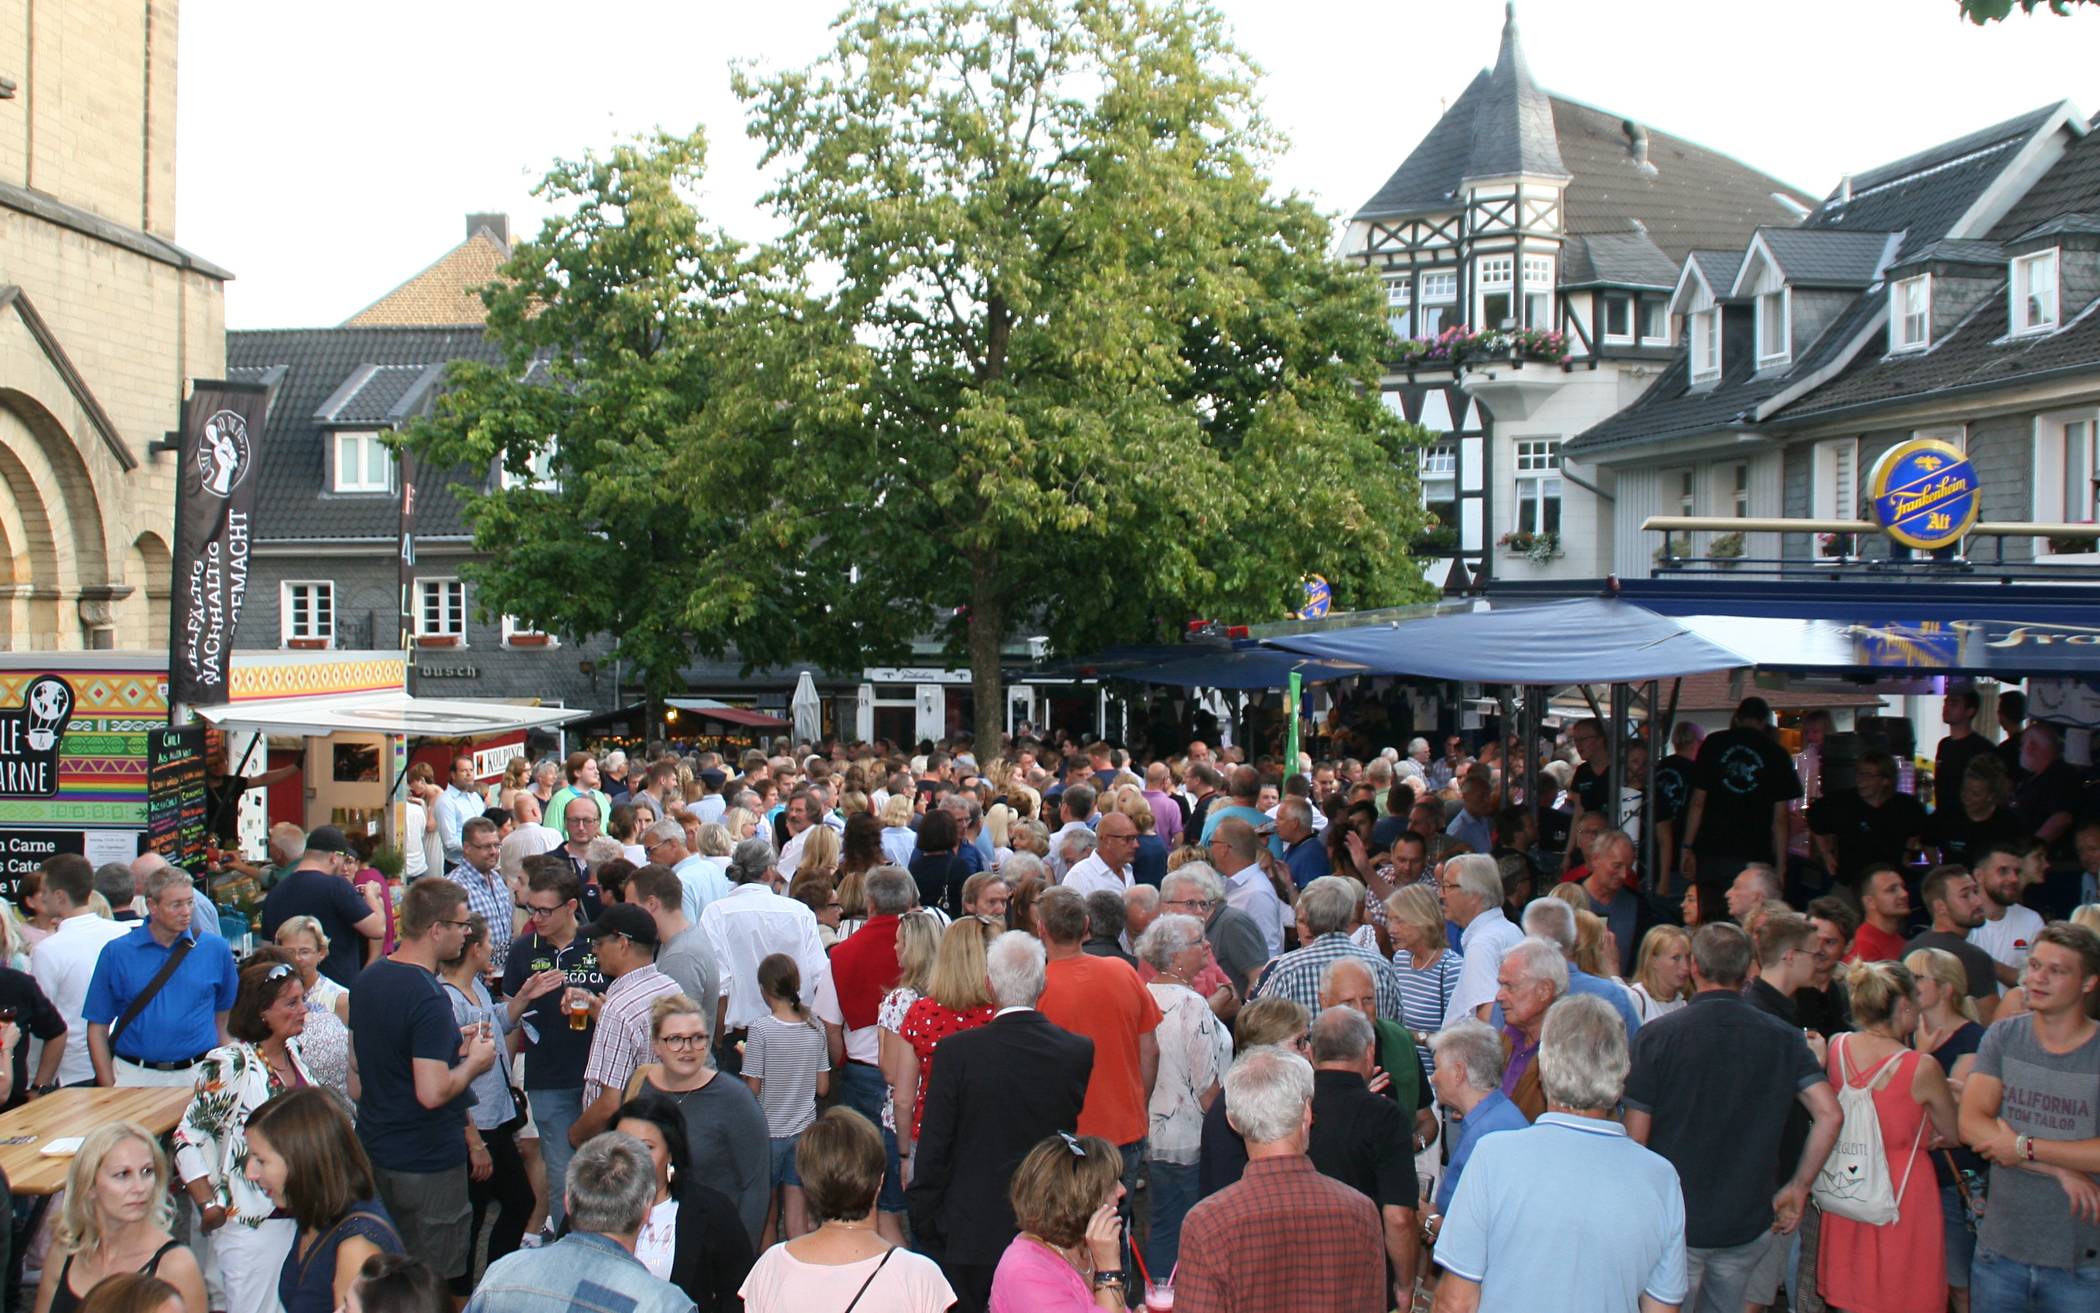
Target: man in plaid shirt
x: 1326, y: 912
x: 624, y: 937
x: 1284, y: 1237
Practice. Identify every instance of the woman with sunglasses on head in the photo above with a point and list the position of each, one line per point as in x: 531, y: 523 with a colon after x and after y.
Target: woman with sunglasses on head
x: 495, y: 1172
x: 263, y: 1059
x: 1068, y: 1256
x: 115, y: 1220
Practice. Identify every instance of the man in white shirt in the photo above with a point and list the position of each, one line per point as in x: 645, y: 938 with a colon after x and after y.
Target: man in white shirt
x: 752, y: 923
x: 457, y: 805
x: 1471, y: 886
x: 2008, y: 929
x: 664, y: 844
x: 1076, y: 805
x: 63, y: 962
x: 1235, y: 854
x: 803, y: 809
x: 1115, y: 843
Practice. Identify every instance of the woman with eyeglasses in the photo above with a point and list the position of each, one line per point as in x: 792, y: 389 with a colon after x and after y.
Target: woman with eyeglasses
x: 1068, y: 1256
x: 262, y: 1060
x: 727, y: 1142
x: 495, y: 1172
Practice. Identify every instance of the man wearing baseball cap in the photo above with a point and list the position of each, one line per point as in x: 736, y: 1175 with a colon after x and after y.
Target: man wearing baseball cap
x: 624, y: 938
x: 319, y: 887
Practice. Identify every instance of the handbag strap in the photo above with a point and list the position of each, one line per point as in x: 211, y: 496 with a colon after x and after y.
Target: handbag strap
x: 871, y: 1279
x: 153, y: 987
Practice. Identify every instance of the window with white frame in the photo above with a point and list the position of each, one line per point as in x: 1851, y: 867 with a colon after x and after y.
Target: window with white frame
x: 1538, y: 291
x: 2081, y: 472
x: 1440, y: 483
x: 1739, y: 490
x: 1954, y: 435
x: 307, y: 614
x: 1680, y: 496
x: 1655, y: 322
x: 1706, y: 344
x: 1439, y: 292
x: 1495, y: 275
x: 1772, y: 337
x: 2034, y: 292
x: 1835, y: 493
x: 2066, y: 466
x: 441, y: 608
x: 517, y: 633
x: 1910, y: 313
x: 1399, y: 306
x: 1538, y: 485
x: 362, y: 463
x: 1440, y: 461
x: 1618, y: 317
x: 539, y: 470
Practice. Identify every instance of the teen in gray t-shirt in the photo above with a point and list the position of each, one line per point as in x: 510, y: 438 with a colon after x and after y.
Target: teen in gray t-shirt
x: 2051, y: 1096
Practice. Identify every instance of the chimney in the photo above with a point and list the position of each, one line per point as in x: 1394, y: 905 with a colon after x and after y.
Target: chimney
x: 1844, y: 189
x: 497, y: 224
x: 1637, y: 146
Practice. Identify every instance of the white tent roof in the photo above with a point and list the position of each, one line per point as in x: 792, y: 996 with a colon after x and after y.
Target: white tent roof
x: 388, y: 712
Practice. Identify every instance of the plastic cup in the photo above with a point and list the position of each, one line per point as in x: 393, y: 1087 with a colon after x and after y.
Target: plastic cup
x: 1159, y: 1297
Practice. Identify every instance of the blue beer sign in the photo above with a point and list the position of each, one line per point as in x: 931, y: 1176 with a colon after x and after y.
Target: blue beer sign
x: 1923, y: 494
x: 1319, y: 598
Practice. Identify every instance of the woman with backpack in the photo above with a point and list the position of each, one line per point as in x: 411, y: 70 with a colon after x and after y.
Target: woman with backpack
x: 1883, y: 1245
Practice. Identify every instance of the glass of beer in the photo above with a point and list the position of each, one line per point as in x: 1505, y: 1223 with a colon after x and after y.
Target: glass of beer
x: 579, y: 1009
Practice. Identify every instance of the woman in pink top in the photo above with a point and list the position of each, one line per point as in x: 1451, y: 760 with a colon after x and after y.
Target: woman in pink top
x: 1068, y: 1255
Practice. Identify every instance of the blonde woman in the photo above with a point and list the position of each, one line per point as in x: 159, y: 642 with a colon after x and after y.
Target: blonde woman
x: 1426, y: 963
x: 516, y: 775
x: 1662, y: 973
x: 1595, y: 951
x: 958, y: 997
x: 740, y: 824
x: 918, y: 944
x: 115, y: 1220
x: 898, y: 841
x: 325, y: 1043
x: 820, y: 853
x: 998, y: 821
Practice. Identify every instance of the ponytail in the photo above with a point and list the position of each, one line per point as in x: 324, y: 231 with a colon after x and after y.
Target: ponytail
x: 779, y: 977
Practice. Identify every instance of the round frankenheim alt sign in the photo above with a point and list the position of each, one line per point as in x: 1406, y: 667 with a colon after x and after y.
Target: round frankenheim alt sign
x: 1923, y: 494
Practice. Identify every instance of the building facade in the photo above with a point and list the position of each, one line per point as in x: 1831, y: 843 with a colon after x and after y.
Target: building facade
x: 103, y: 321
x: 1529, y: 245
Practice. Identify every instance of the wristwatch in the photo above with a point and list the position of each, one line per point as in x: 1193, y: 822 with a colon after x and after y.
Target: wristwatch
x: 1110, y: 1276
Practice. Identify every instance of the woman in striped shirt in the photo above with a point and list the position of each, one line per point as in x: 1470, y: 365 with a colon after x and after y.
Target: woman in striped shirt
x: 1428, y: 967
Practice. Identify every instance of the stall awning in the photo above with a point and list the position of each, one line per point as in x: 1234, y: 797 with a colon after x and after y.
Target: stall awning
x: 709, y: 709
x: 1585, y: 641
x: 1251, y: 667
x: 383, y: 713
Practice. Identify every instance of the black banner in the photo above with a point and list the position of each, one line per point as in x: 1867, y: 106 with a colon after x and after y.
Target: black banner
x: 409, y: 468
x: 214, y: 515
x: 177, y: 801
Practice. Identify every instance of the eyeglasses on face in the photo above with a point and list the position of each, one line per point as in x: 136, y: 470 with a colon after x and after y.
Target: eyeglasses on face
x: 680, y: 1041
x: 534, y: 913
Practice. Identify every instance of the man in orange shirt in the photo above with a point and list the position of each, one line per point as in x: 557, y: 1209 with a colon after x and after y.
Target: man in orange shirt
x: 1102, y: 999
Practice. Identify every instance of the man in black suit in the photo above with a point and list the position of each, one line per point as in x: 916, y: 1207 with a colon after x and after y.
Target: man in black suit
x: 995, y: 1093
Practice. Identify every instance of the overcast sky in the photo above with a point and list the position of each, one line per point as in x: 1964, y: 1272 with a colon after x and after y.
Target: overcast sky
x: 328, y: 153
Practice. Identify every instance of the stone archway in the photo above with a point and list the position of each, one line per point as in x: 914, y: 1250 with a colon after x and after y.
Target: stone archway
x: 61, y: 561
x: 33, y: 569
x: 142, y: 617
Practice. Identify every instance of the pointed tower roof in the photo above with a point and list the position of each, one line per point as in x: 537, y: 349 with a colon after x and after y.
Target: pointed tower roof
x: 1513, y: 127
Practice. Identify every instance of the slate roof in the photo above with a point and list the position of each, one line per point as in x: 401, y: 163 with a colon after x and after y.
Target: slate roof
x: 1955, y: 250
x: 2072, y: 187
x: 1821, y: 258
x: 1629, y: 259
x: 2064, y: 225
x: 1719, y: 269
x: 1682, y: 197
x: 1924, y: 194
x: 377, y: 395
x: 292, y: 503
x: 444, y: 293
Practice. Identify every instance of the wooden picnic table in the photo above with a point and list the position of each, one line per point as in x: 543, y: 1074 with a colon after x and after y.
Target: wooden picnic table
x: 66, y: 1112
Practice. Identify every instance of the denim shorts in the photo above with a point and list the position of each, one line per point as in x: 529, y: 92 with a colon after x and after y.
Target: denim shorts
x: 784, y: 1160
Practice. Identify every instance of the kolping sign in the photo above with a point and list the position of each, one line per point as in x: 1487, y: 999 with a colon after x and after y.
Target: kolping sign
x: 1924, y: 494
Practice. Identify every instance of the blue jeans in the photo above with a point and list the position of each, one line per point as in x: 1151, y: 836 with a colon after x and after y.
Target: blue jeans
x: 865, y: 1091
x: 554, y: 1112
x: 1999, y: 1285
x: 1961, y: 1241
x: 784, y: 1160
x: 1173, y: 1191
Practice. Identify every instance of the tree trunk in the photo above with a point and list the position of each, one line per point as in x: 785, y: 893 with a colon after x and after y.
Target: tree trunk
x: 987, y: 633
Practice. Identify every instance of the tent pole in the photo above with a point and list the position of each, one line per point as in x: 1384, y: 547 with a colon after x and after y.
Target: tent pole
x: 1534, y: 700
x: 1615, y: 776
x: 1505, y: 708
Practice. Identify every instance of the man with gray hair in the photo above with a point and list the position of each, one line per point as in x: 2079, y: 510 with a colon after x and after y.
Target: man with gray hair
x: 1283, y: 1236
x: 1468, y: 1081
x: 203, y: 915
x: 997, y: 1091
x: 1533, y: 975
x: 1326, y: 914
x: 1362, y: 1139
x: 1304, y: 855
x: 610, y: 1187
x: 751, y: 923
x: 1471, y: 887
x: 1509, y: 1237
x: 1554, y: 921
x: 137, y: 1035
x: 1194, y: 889
x: 663, y: 844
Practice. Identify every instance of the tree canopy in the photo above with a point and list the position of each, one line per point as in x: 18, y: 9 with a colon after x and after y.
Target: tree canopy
x: 1076, y: 369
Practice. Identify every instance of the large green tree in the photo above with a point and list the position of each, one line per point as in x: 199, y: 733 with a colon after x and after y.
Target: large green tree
x: 1112, y: 379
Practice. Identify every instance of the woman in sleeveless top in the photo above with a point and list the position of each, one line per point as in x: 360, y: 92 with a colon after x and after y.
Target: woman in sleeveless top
x: 305, y: 1156
x: 115, y: 1221
x: 325, y: 1043
x: 1900, y: 1267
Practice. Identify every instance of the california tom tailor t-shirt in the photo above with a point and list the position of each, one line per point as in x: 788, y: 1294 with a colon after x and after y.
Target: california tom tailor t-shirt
x: 2051, y: 1096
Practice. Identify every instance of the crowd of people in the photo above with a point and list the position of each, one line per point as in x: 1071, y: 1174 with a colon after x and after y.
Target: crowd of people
x: 844, y: 1027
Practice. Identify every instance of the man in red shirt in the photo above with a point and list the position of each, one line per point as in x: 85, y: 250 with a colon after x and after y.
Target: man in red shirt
x: 1886, y: 903
x: 1102, y: 999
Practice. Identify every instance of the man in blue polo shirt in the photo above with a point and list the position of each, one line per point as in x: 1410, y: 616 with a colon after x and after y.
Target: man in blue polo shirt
x: 1303, y: 852
x: 182, y: 1020
x: 1509, y: 1237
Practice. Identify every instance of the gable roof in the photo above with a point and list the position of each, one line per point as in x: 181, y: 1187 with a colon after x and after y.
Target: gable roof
x: 1809, y: 257
x: 1925, y: 194
x: 446, y: 292
x: 330, y: 378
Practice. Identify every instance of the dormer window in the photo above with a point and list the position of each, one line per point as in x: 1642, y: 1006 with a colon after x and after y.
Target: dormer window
x: 362, y: 464
x: 1655, y: 322
x: 1618, y: 317
x: 1497, y: 275
x: 1774, y: 343
x: 1706, y: 344
x: 2034, y: 292
x: 1910, y: 313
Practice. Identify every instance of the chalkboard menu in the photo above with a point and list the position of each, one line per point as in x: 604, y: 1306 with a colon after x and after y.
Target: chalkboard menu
x: 176, y: 801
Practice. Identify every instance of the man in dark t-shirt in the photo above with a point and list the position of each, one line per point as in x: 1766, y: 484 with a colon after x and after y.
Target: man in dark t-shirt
x: 319, y: 887
x: 1868, y: 825
x: 2046, y: 801
x: 1961, y: 746
x: 1740, y: 790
